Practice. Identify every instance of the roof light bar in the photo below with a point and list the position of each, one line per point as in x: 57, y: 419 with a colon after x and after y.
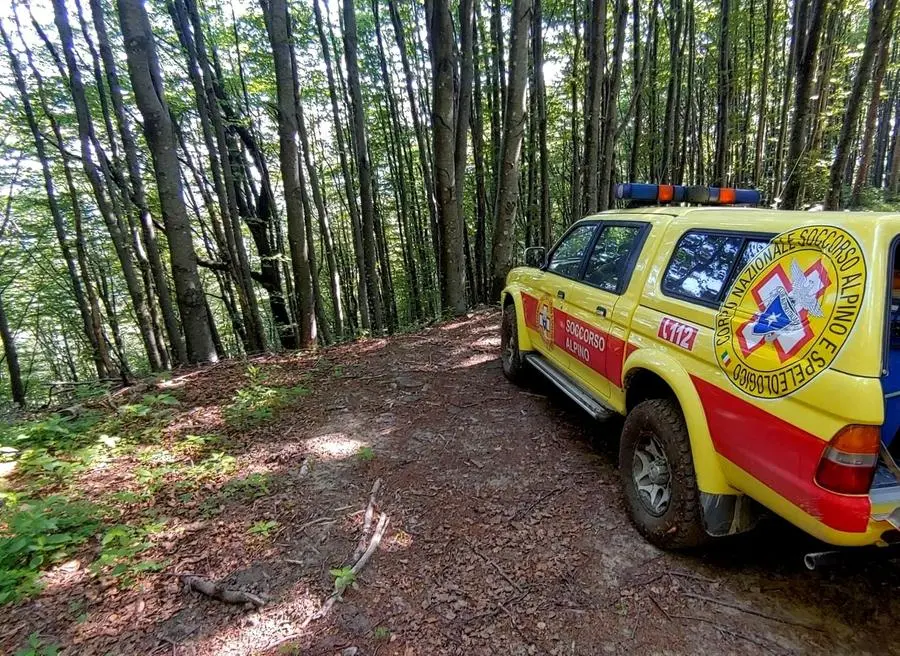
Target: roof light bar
x: 654, y: 193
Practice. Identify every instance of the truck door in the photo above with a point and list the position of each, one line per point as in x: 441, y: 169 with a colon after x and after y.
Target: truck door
x: 594, y: 332
x: 547, y: 306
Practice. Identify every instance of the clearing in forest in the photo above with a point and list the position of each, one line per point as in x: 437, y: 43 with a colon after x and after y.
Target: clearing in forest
x: 501, y: 527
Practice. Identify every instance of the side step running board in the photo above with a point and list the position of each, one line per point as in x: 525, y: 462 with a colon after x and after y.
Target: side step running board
x: 570, y: 388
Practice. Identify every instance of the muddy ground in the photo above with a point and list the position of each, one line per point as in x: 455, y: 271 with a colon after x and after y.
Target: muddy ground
x: 506, y: 532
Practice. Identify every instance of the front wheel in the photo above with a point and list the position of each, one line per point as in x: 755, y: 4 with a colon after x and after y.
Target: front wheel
x: 658, y: 479
x: 510, y: 356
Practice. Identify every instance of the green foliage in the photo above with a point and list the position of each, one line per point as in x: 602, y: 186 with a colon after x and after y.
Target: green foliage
x: 344, y: 577
x: 251, y: 487
x: 263, y: 528
x: 120, y: 547
x: 365, y: 454
x: 150, y: 404
x: 258, y: 402
x: 36, y: 647
x: 382, y: 633
x: 39, y: 533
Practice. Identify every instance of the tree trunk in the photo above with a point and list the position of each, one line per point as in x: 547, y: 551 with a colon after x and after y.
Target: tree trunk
x: 276, y: 17
x: 761, y: 111
x: 720, y: 167
x: 88, y: 142
x: 807, y: 52
x: 881, y: 63
x: 612, y: 99
x: 363, y: 167
x: 146, y: 80
x: 593, y: 105
x: 478, y: 147
x: 877, y: 19
x: 356, y: 225
x: 513, y: 131
x: 12, y: 358
x: 440, y: 34
x: 540, y: 92
x: 59, y: 225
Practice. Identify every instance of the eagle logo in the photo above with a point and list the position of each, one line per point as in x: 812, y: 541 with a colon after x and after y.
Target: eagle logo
x: 785, y: 304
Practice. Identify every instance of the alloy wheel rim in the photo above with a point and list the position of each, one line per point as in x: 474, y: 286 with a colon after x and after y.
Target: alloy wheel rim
x: 651, y: 475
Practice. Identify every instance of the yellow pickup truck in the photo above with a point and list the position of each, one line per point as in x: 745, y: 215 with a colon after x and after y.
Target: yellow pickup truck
x: 755, y: 355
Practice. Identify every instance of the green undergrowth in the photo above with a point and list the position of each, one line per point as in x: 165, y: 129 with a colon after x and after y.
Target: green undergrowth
x: 259, y: 401
x: 45, y: 520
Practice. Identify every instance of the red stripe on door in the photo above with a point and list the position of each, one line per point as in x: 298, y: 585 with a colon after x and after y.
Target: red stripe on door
x: 597, y: 349
x: 781, y: 455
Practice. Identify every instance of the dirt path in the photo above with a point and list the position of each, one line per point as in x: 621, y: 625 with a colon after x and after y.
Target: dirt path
x: 506, y: 534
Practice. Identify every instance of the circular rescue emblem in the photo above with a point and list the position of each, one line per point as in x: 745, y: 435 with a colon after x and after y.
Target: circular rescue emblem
x: 545, y: 321
x: 790, y: 310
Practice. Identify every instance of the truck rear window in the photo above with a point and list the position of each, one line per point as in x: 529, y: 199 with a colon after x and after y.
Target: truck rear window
x: 703, y: 262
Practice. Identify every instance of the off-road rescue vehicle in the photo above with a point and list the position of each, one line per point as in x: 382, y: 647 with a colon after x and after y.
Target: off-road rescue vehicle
x: 755, y: 355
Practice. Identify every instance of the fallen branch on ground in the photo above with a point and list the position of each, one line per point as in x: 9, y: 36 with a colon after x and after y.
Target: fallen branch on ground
x: 356, y: 569
x: 367, y: 521
x: 751, y: 611
x: 495, y: 566
x: 217, y: 591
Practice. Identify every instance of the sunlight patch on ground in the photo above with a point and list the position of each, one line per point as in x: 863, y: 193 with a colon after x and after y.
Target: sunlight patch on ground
x: 475, y: 360
x: 334, y: 446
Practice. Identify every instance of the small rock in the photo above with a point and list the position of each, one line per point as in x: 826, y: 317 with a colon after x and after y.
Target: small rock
x: 350, y: 651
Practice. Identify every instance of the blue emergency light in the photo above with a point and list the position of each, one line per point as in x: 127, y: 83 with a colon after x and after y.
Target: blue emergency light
x: 660, y: 193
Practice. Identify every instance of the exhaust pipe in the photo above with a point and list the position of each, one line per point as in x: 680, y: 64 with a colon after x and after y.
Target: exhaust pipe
x: 818, y: 559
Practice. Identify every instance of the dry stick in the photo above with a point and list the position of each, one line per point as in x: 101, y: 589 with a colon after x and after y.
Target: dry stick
x: 743, y: 636
x: 367, y: 521
x: 751, y: 611
x: 217, y: 591
x: 495, y: 566
x: 356, y: 569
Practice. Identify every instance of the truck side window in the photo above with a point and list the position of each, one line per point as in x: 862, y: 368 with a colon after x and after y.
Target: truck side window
x: 566, y: 259
x: 607, y: 266
x: 700, y: 265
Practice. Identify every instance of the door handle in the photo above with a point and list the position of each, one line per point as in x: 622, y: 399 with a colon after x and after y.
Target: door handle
x: 560, y: 294
x: 601, y: 311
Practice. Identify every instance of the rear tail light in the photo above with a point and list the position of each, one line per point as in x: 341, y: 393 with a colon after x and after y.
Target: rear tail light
x: 849, y: 461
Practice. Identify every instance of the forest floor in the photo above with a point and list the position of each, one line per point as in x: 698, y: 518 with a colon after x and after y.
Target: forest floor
x: 505, y: 528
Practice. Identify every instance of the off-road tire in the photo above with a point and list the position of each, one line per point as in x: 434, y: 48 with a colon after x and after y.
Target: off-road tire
x: 514, y: 366
x: 681, y: 524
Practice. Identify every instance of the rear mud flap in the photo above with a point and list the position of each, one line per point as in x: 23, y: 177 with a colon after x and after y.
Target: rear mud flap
x: 728, y: 514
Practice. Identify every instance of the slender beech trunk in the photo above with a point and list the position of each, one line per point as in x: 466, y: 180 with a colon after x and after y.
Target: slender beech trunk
x: 877, y: 19
x: 761, y: 111
x: 356, y: 225
x: 720, y: 166
x: 807, y: 53
x: 612, y: 98
x: 440, y: 35
x: 507, y: 199
x: 89, y: 142
x: 881, y: 63
x: 412, y: 100
x: 593, y: 105
x: 146, y: 80
x: 17, y: 388
x: 540, y: 92
x: 363, y: 167
x: 59, y: 224
x: 636, y: 86
x: 139, y: 195
x: 478, y: 146
x: 276, y: 17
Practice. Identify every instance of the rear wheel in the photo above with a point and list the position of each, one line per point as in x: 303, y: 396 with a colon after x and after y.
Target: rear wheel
x: 658, y: 479
x: 510, y: 356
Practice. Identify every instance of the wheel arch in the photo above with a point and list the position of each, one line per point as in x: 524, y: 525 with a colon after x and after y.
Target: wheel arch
x: 513, y: 296
x: 650, y: 374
